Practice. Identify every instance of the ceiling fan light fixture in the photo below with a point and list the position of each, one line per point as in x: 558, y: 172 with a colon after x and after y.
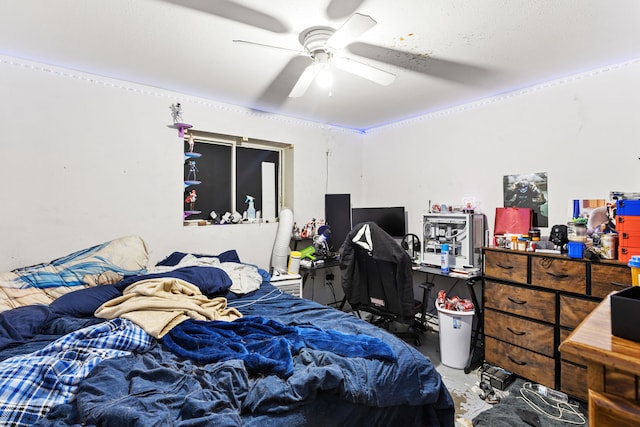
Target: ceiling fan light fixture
x: 324, y: 78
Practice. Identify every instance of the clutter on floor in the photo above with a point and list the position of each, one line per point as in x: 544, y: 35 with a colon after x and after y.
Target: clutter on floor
x: 527, y: 404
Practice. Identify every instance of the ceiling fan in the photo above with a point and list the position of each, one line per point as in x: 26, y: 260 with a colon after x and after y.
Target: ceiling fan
x: 323, y: 45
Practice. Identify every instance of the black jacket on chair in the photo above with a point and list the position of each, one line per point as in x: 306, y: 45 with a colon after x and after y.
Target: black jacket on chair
x: 376, y: 273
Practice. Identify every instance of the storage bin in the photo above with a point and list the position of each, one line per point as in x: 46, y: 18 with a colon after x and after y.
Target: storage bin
x: 626, y: 252
x: 628, y: 224
x: 575, y: 249
x: 628, y: 207
x: 625, y: 313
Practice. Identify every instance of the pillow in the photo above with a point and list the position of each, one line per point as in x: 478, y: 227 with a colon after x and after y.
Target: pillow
x: 101, y: 264
x: 107, y: 263
x: 175, y: 258
x: 84, y: 302
x: 20, y: 324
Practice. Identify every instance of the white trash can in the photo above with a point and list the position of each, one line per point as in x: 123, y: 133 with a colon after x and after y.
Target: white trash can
x: 455, y: 336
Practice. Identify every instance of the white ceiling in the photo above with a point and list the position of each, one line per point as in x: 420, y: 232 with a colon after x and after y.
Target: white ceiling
x: 443, y: 52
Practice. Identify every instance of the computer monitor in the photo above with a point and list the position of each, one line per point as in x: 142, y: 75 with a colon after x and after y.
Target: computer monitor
x: 390, y: 219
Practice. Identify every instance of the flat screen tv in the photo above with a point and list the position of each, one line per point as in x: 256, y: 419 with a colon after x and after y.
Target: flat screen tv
x: 390, y: 219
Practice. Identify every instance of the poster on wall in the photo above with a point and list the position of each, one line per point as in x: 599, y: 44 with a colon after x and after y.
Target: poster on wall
x: 528, y: 191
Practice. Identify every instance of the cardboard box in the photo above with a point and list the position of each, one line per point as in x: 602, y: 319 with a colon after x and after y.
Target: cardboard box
x: 625, y: 313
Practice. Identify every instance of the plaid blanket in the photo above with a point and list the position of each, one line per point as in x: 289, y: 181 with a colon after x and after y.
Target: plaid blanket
x: 31, y: 384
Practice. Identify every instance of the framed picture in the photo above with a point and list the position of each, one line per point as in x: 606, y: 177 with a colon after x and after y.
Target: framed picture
x: 528, y: 191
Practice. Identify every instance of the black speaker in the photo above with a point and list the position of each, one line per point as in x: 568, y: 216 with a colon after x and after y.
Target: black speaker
x: 337, y: 214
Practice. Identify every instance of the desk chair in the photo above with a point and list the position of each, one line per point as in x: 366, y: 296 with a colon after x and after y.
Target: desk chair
x: 377, y: 278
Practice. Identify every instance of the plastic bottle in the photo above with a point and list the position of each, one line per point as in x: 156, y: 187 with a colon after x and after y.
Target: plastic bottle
x: 251, y: 210
x: 444, y: 258
x: 294, y: 262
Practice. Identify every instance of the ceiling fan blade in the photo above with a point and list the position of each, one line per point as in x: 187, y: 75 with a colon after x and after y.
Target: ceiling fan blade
x: 353, y: 28
x: 270, y: 46
x: 231, y: 10
x: 366, y: 71
x: 422, y: 63
x: 342, y: 8
x: 276, y: 94
x: 304, y: 81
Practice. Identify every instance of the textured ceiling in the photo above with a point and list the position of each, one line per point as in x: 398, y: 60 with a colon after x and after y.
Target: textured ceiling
x: 443, y: 52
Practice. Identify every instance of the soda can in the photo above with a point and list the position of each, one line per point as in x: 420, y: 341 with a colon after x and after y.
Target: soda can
x: 465, y: 305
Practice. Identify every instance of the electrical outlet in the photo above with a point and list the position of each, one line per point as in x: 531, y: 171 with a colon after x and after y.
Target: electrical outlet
x: 328, y: 279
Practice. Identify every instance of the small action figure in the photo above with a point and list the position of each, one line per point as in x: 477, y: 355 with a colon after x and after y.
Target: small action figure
x: 191, y: 143
x: 191, y: 199
x: 176, y: 112
x: 192, y: 171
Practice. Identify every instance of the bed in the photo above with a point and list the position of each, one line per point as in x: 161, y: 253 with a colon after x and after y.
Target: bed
x: 99, y: 338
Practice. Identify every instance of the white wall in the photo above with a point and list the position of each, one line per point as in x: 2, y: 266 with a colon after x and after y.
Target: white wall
x: 583, y: 131
x: 85, y: 159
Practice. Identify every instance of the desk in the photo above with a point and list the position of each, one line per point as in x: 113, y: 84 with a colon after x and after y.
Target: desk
x: 613, y: 369
x: 315, y: 265
x: 427, y: 287
x: 310, y: 272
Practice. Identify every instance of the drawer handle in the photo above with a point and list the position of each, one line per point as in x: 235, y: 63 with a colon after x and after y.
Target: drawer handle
x: 558, y: 276
x: 515, y: 332
x: 505, y: 267
x: 515, y: 301
x: 516, y: 361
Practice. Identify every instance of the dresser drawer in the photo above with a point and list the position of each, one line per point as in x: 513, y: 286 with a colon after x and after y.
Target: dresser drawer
x: 573, y: 380
x: 535, y: 304
x: 531, y: 335
x: 509, y: 266
x: 564, y: 334
x: 527, y: 364
x: 606, y: 278
x: 559, y: 274
x: 573, y: 310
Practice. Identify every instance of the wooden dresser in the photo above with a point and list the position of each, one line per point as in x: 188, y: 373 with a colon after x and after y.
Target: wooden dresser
x: 532, y: 302
x: 613, y: 369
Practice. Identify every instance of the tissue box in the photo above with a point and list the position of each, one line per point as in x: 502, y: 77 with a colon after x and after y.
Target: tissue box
x: 625, y: 309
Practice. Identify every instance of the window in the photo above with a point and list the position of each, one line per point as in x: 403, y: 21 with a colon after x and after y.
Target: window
x: 229, y: 169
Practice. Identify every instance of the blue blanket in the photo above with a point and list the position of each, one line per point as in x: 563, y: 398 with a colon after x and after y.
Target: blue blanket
x: 158, y: 387
x: 266, y: 346
x: 32, y: 383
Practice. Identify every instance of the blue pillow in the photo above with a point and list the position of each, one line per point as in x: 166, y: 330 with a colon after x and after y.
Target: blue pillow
x: 211, y: 281
x: 84, y: 302
x: 22, y: 323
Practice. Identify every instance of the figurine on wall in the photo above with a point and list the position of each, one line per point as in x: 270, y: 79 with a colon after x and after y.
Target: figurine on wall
x: 176, y: 112
x: 191, y: 199
x: 191, y: 143
x: 192, y: 171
